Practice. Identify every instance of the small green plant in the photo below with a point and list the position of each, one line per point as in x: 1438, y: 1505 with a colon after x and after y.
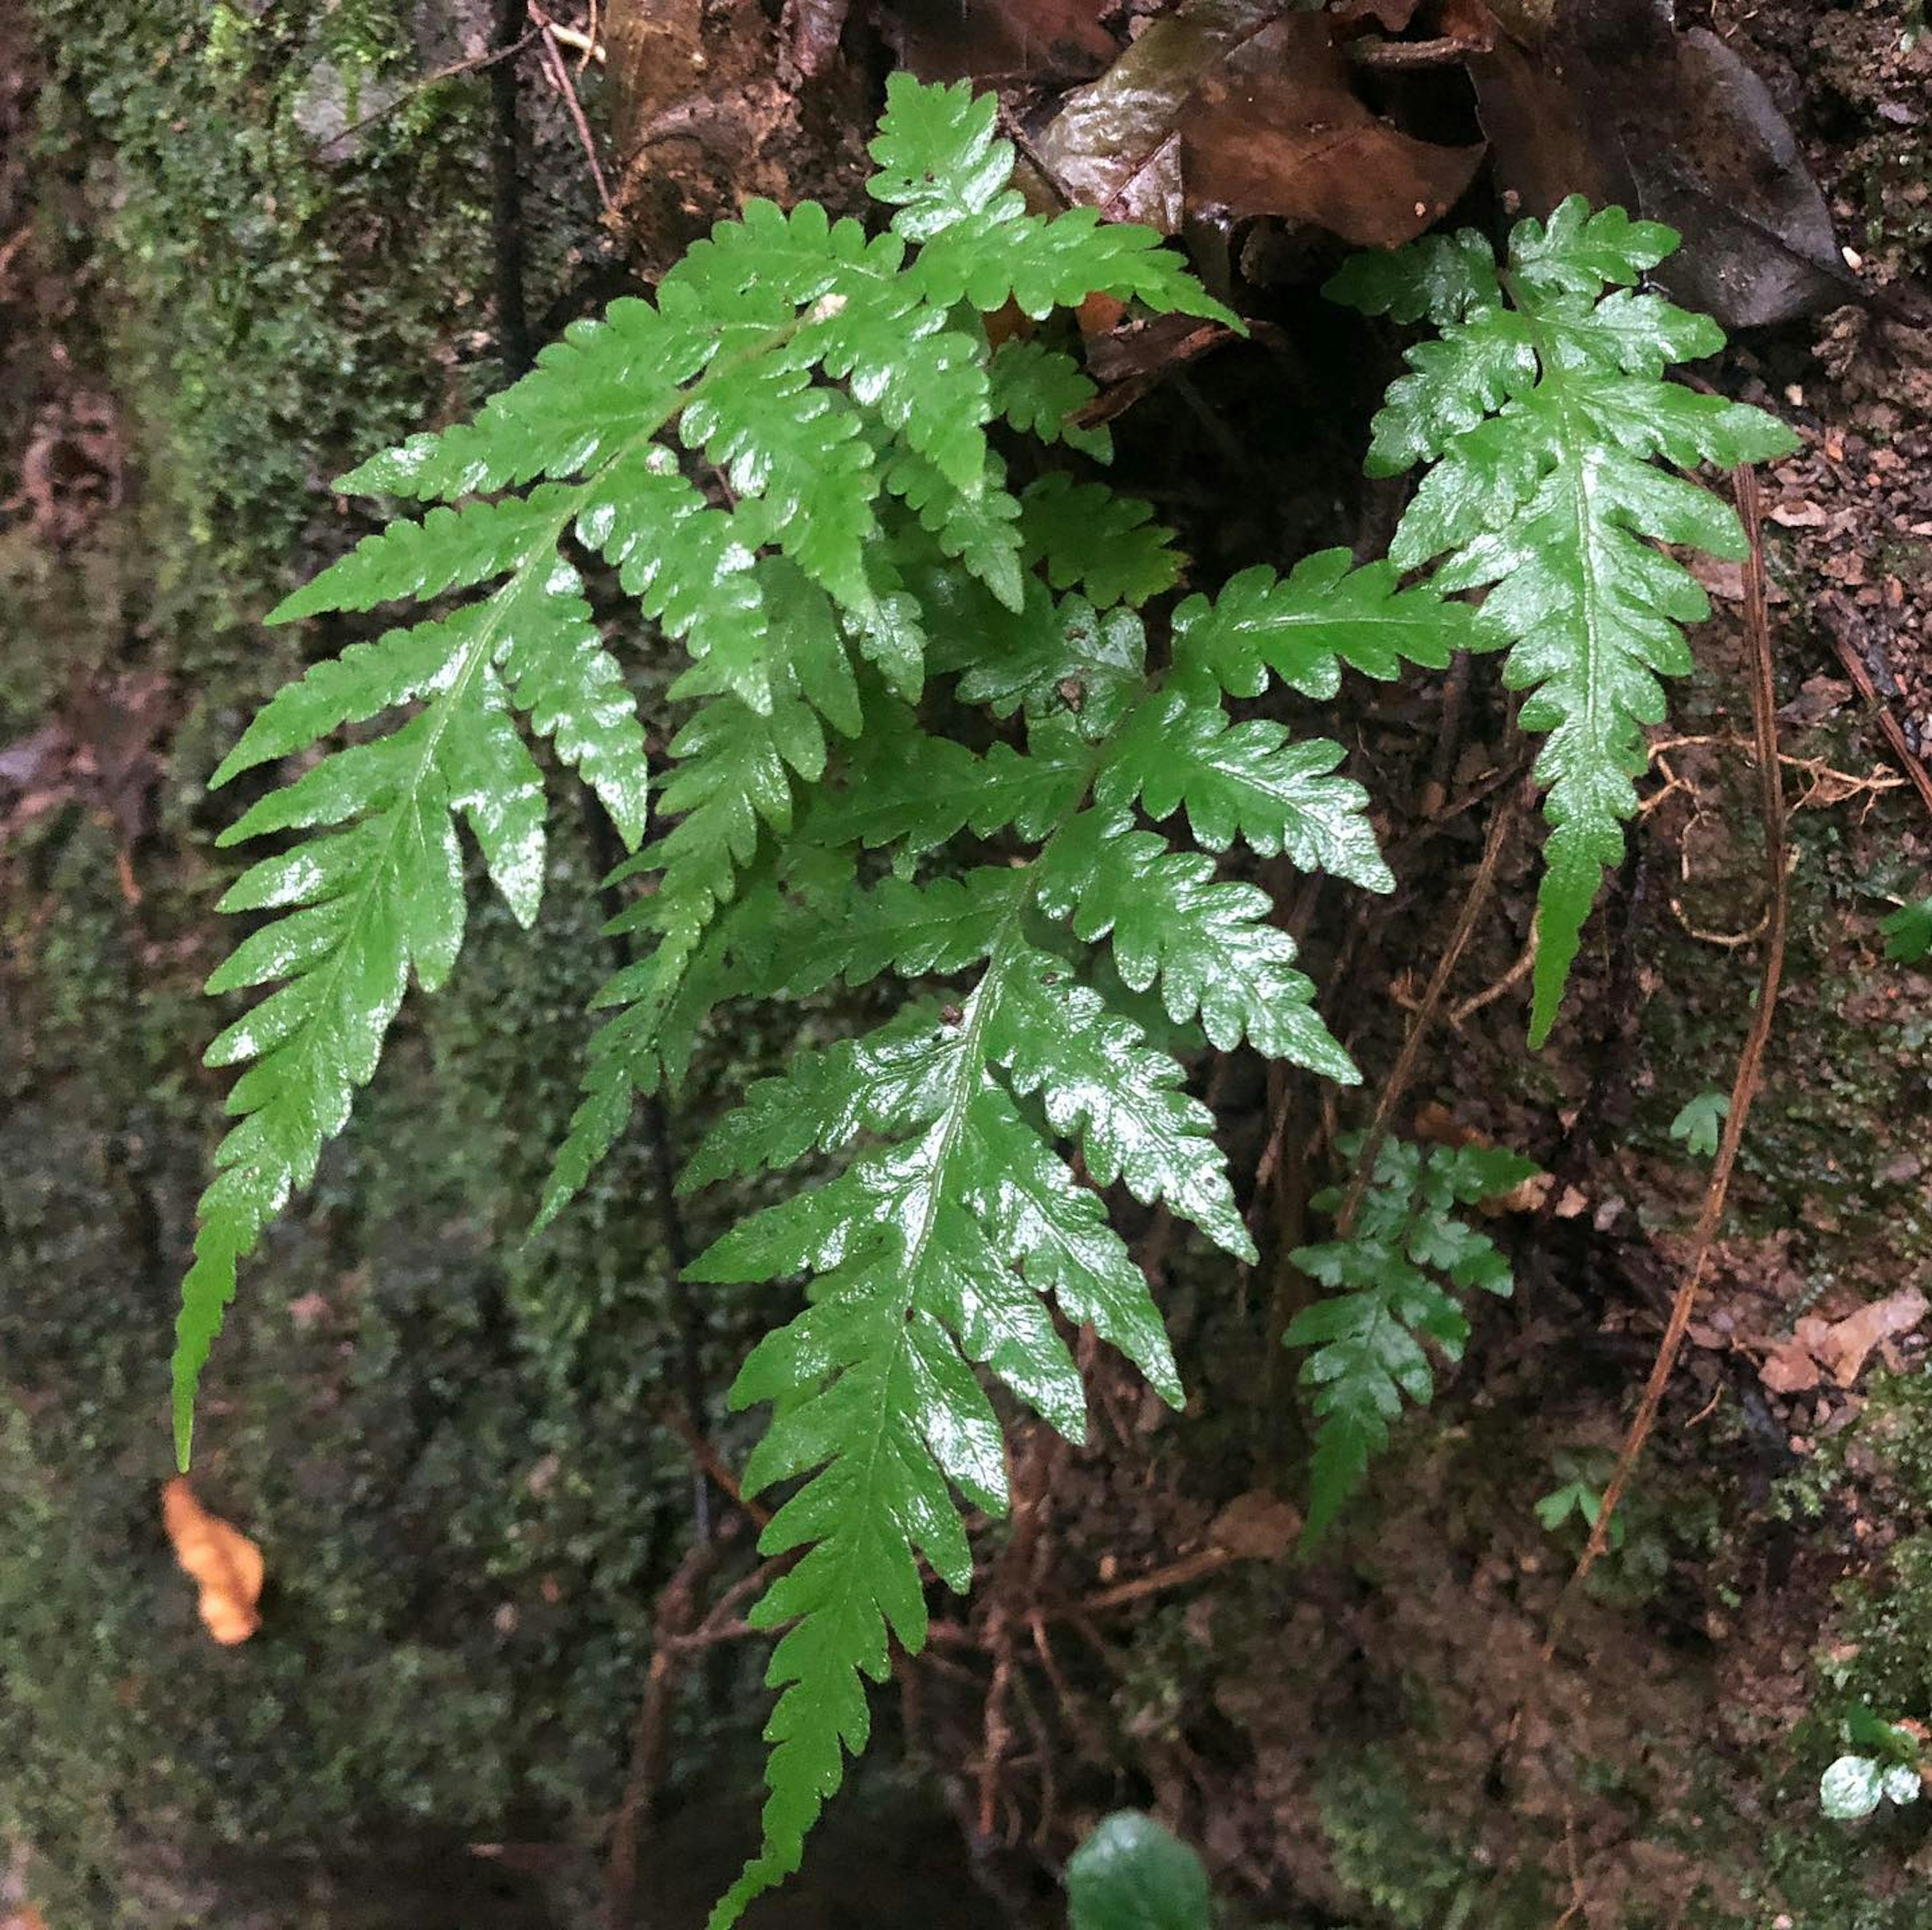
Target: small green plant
x: 1883, y: 1767
x: 1389, y: 1296
x: 1700, y: 1124
x: 1908, y: 932
x: 1132, y: 1873
x: 1577, y: 1496
x: 921, y: 727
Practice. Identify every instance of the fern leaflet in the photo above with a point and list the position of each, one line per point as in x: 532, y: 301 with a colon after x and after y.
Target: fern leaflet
x: 1368, y: 1335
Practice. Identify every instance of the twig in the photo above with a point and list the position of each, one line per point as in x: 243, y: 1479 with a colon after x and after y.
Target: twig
x: 1445, y: 50
x: 1156, y: 1581
x: 588, y: 47
x: 1397, y: 1083
x: 474, y: 63
x: 1744, y: 1085
x: 560, y: 79
x: 1889, y: 726
x: 650, y: 1736
x: 708, y: 1459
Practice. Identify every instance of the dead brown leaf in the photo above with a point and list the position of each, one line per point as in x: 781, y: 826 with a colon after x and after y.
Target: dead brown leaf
x: 1256, y: 1527
x: 1030, y: 41
x: 1241, y: 108
x: 1277, y: 130
x: 1792, y: 1366
x: 1616, y: 104
x: 223, y: 1561
x: 1846, y: 1347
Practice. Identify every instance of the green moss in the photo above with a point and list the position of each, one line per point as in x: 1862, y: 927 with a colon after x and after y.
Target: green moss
x: 444, y: 1437
x: 278, y: 301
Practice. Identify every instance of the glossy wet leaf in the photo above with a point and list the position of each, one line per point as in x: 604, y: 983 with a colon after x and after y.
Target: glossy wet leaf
x: 1545, y: 416
x: 1132, y: 1873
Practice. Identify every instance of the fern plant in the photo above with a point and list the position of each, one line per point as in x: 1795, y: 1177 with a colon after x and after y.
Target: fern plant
x: 1397, y: 1278
x: 1542, y: 409
x: 923, y: 728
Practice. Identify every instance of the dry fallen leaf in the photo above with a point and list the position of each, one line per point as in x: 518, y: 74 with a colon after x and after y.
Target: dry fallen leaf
x: 1614, y: 102
x: 1256, y: 1527
x: 1792, y: 1366
x: 224, y: 1561
x: 1239, y: 106
x: 1844, y: 1348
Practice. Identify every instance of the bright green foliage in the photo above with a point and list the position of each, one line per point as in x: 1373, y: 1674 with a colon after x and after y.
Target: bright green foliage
x: 1908, y: 932
x: 1700, y: 1123
x: 1131, y: 1873
x: 960, y: 1217
x: 811, y: 829
x: 1544, y: 410
x: 808, y: 365
x: 1390, y: 1297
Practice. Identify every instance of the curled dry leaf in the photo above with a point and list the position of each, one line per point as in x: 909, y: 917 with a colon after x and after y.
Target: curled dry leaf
x: 1840, y: 1348
x: 1242, y: 107
x: 218, y: 1556
x: 1847, y: 1346
x: 1257, y: 1527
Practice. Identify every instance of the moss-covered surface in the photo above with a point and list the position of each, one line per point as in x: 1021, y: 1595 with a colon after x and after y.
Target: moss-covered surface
x: 444, y: 1437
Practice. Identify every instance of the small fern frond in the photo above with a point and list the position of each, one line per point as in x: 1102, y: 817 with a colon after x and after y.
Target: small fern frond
x: 1389, y: 1297
x: 1039, y: 391
x: 1543, y: 409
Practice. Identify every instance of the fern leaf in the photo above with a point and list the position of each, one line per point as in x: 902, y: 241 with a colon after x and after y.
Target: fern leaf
x: 607, y: 382
x: 1064, y: 658
x: 941, y: 168
x: 1543, y: 418
x: 1208, y: 944
x: 1039, y: 391
x: 1368, y: 1336
x: 1124, y: 1100
x: 1108, y: 547
x: 1304, y: 627
x: 1247, y: 781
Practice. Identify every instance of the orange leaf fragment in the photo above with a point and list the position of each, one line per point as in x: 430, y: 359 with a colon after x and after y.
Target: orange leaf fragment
x: 226, y: 1563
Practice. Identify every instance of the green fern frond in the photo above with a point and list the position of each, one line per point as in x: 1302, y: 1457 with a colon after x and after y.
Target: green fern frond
x: 1543, y: 408
x: 1368, y: 1335
x: 959, y: 1116
x: 816, y: 370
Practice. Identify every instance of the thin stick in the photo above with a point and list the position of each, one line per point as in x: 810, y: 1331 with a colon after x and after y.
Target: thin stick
x: 455, y: 71
x: 1888, y: 725
x: 559, y: 76
x: 1398, y: 1080
x: 1745, y: 1086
